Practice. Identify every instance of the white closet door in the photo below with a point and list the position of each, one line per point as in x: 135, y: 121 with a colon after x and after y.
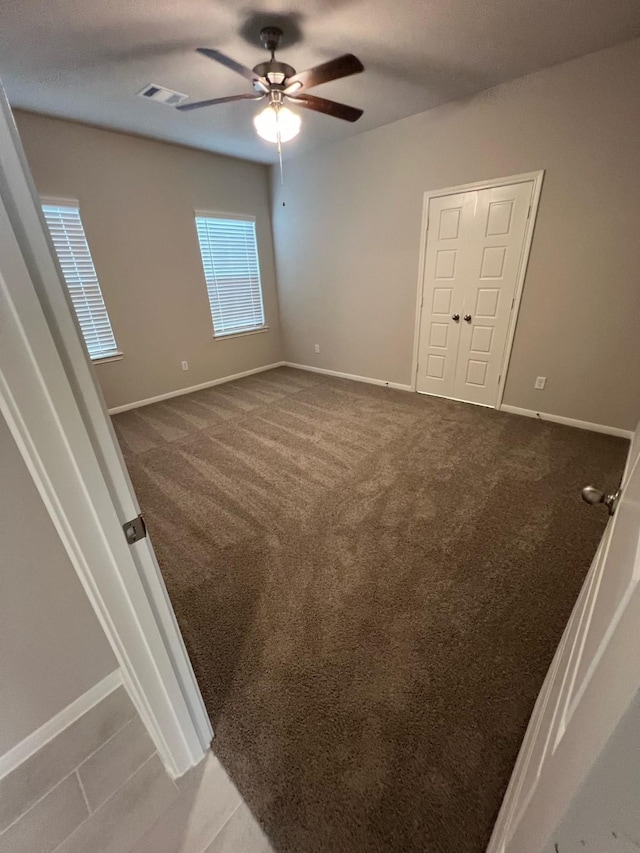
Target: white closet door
x: 450, y: 232
x: 474, y: 250
x: 493, y: 253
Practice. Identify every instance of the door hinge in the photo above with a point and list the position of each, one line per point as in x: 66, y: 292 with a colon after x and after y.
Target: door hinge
x: 499, y: 378
x: 135, y: 530
x: 513, y: 302
x: 529, y: 212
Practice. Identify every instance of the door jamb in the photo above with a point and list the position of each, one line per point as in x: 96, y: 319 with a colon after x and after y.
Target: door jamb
x: 48, y: 419
x: 536, y: 178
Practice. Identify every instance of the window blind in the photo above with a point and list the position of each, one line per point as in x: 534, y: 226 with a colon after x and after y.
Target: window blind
x: 72, y: 249
x: 232, y: 274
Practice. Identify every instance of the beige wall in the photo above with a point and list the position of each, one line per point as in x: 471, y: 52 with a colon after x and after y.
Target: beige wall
x: 137, y: 201
x: 52, y: 648
x: 348, y: 239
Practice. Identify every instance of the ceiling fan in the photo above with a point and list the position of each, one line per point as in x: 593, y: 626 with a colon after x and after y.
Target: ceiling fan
x: 280, y: 83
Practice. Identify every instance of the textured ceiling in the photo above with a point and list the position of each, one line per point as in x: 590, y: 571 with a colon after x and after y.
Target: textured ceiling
x: 86, y: 59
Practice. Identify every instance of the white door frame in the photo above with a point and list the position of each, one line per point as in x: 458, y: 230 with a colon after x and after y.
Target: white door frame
x: 536, y: 178
x: 55, y: 411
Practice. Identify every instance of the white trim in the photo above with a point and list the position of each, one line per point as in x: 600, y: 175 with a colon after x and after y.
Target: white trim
x: 572, y: 422
x: 369, y: 380
x: 57, y: 200
x: 217, y: 214
x: 56, y: 725
x: 224, y: 336
x: 127, y: 406
x: 53, y: 407
x: 105, y: 359
x: 536, y: 178
x: 522, y: 178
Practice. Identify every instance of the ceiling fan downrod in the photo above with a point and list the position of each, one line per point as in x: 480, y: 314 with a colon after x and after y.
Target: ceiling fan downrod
x: 271, y: 38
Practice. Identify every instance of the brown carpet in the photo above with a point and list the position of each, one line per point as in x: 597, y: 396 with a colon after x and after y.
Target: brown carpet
x: 371, y: 585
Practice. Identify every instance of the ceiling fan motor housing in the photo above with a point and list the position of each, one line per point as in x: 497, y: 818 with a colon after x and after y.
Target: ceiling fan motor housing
x: 271, y: 38
x: 275, y: 72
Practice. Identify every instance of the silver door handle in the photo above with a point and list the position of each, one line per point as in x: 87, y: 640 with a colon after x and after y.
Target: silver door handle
x: 467, y: 317
x: 594, y: 496
x: 455, y: 317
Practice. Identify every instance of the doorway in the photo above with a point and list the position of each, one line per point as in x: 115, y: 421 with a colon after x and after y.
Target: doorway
x: 50, y: 400
x: 475, y: 249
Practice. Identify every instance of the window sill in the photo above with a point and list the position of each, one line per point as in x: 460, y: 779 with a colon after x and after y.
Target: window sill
x: 117, y: 356
x: 241, y: 334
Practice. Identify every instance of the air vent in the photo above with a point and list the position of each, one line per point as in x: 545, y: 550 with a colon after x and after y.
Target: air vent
x: 162, y: 95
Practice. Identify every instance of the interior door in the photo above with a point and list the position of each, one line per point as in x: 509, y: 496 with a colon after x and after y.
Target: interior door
x: 593, y: 678
x: 450, y: 231
x: 494, y: 252
x: 474, y: 251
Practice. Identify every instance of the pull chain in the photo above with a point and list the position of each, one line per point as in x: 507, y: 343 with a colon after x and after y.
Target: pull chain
x: 280, y: 159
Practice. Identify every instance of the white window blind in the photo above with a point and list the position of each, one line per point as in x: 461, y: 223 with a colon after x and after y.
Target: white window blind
x: 67, y: 233
x: 232, y: 273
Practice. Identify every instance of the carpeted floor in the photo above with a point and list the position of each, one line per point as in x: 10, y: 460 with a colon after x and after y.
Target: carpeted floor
x: 371, y: 585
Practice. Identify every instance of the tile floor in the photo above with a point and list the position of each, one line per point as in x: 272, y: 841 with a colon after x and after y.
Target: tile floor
x: 209, y: 816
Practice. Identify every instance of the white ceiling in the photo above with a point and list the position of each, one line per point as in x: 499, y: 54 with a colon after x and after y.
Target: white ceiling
x: 86, y: 59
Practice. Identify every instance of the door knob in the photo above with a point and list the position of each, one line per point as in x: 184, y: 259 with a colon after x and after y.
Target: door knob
x: 593, y: 496
x: 467, y: 317
x: 455, y: 317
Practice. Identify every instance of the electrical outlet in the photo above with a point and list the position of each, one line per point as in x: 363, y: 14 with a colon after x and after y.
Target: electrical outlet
x: 185, y: 365
x: 317, y: 347
x: 540, y: 382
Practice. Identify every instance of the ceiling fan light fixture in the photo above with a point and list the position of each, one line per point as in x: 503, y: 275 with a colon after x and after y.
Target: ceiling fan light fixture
x: 275, y: 122
x: 292, y: 88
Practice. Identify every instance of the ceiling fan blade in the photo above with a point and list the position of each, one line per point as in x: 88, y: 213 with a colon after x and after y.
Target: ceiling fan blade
x: 225, y: 60
x: 196, y: 105
x: 342, y: 66
x: 330, y: 108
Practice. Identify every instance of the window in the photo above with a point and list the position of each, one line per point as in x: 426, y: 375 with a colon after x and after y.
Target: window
x: 231, y: 271
x: 72, y: 249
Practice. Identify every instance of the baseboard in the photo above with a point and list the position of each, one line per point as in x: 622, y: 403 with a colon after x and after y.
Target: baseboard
x: 53, y: 727
x: 559, y: 419
x: 397, y: 385
x: 127, y: 406
x: 514, y: 410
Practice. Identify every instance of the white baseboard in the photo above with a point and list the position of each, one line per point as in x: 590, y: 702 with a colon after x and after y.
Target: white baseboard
x: 559, y: 419
x: 514, y: 410
x: 62, y: 720
x: 181, y: 391
x: 397, y: 385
